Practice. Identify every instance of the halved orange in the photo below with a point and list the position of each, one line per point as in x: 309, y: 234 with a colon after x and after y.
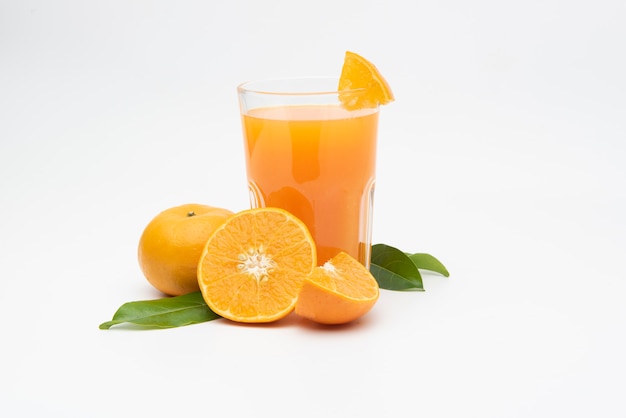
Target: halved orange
x: 253, y: 266
x: 362, y: 84
x: 338, y: 292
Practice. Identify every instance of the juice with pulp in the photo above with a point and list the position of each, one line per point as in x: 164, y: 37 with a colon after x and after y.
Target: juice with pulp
x: 317, y: 162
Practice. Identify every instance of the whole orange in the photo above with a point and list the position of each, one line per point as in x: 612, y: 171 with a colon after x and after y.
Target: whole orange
x: 171, y: 245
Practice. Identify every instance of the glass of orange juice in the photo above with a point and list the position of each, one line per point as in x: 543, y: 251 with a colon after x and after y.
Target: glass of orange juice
x: 306, y: 153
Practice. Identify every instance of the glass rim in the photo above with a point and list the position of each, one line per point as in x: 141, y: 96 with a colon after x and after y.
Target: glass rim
x: 249, y: 86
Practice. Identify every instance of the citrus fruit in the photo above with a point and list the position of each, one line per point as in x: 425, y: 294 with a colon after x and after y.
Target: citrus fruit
x: 254, y: 264
x: 361, y: 85
x: 171, y: 244
x: 338, y: 292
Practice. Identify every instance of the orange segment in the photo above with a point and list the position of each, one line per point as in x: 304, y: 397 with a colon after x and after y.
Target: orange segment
x: 253, y: 266
x: 338, y: 292
x: 362, y: 84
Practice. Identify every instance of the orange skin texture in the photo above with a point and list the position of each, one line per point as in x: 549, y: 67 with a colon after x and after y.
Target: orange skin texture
x: 171, y: 244
x: 328, y: 308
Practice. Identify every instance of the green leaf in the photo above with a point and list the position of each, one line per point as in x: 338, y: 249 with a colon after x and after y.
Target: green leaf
x: 428, y: 262
x: 164, y: 313
x: 394, y: 270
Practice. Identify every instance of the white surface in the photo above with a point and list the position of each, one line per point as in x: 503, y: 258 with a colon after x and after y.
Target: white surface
x: 503, y: 156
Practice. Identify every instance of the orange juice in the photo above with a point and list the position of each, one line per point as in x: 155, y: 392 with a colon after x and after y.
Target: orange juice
x: 317, y: 162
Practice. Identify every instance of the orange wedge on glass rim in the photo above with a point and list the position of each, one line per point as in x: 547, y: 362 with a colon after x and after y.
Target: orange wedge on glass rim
x: 338, y: 292
x: 253, y: 266
x: 361, y: 85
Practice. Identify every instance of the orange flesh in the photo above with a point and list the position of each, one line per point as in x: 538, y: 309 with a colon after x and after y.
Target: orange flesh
x: 253, y: 266
x: 359, y: 73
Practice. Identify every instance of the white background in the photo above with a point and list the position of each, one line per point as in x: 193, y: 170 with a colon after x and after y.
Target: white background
x: 503, y: 156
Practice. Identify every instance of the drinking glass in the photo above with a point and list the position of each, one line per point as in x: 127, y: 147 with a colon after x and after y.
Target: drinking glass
x: 310, y: 155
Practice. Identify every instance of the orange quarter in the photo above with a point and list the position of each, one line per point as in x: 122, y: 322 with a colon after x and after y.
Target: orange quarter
x: 340, y: 291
